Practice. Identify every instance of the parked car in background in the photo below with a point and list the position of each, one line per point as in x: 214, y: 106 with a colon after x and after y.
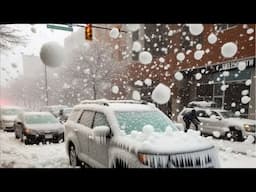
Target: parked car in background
x: 222, y: 123
x: 132, y: 134
x: 54, y: 109
x: 7, y: 116
x: 35, y: 127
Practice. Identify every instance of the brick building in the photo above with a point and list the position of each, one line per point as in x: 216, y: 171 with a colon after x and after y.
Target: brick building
x: 202, y: 54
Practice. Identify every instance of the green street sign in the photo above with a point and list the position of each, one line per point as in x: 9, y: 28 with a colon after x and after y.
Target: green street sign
x: 59, y: 27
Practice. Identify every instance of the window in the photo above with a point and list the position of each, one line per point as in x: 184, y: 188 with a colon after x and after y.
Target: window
x: 100, y: 120
x: 189, y: 41
x: 201, y: 113
x: 86, y: 118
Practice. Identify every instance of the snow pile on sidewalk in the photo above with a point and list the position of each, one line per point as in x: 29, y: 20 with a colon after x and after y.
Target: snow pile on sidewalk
x: 14, y: 154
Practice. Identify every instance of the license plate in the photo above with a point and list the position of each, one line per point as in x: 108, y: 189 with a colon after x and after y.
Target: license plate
x: 48, y: 136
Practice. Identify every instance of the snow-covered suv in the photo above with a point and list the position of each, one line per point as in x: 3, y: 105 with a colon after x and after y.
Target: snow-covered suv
x: 222, y: 123
x: 132, y: 134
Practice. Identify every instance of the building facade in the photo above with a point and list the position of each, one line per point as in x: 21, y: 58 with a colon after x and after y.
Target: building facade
x: 220, y: 78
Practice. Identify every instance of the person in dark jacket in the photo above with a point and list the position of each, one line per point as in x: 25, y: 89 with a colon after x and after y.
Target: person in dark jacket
x: 191, y: 117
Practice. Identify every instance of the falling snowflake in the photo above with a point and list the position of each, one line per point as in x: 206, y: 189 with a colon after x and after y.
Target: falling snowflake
x: 145, y: 57
x: 161, y: 94
x: 229, y: 49
x: 178, y: 76
x: 196, y: 29
x: 180, y: 56
x: 212, y: 38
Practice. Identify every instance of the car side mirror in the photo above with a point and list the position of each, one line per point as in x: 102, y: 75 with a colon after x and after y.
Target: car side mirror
x: 101, y: 131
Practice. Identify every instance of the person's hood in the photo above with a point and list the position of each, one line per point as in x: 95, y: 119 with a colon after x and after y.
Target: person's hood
x: 240, y: 121
x: 46, y: 127
x: 164, y: 143
x: 8, y: 117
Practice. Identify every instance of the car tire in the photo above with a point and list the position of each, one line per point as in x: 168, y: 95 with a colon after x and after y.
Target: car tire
x: 73, y: 159
x: 236, y: 135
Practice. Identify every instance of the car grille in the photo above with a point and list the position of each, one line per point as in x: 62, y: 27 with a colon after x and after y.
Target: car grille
x: 198, y: 159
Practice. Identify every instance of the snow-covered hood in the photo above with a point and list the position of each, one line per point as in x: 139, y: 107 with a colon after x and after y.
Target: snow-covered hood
x: 163, y: 143
x: 46, y: 127
x: 240, y: 121
x: 8, y: 117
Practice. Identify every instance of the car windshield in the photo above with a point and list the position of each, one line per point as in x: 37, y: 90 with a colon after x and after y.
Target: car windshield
x: 136, y: 120
x: 10, y: 111
x: 40, y: 119
x: 228, y: 114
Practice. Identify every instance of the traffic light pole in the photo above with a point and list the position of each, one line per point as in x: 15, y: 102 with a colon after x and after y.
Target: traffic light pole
x: 98, y: 27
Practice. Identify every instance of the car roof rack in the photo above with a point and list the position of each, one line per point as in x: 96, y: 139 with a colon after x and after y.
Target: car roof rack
x: 107, y: 102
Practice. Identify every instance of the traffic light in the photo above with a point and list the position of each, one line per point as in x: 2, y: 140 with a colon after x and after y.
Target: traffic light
x: 88, y: 32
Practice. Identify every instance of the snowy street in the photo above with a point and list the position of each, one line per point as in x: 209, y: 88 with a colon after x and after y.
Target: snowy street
x: 14, y: 154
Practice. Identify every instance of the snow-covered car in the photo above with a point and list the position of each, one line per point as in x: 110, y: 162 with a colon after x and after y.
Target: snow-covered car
x: 132, y: 134
x: 222, y: 123
x: 35, y: 127
x: 7, y: 117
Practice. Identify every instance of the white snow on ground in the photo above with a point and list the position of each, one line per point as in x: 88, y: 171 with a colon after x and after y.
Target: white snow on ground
x: 14, y: 154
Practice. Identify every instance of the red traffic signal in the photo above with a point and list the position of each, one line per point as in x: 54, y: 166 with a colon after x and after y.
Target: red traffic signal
x: 88, y: 32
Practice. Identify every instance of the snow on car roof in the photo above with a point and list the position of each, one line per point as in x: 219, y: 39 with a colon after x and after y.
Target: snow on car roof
x: 206, y: 108
x: 130, y: 107
x: 117, y: 106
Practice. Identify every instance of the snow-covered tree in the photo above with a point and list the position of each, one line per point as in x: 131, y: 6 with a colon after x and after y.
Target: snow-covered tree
x: 91, y: 68
x: 9, y: 37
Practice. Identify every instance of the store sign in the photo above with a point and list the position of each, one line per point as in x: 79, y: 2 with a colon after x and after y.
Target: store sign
x: 234, y: 64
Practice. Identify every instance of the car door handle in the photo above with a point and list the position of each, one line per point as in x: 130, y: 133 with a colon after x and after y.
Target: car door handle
x: 75, y: 130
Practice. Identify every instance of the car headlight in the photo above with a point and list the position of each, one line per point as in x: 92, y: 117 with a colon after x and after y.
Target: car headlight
x: 250, y: 128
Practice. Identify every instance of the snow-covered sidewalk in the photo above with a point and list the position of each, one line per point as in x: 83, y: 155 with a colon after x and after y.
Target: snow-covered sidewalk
x: 14, y: 154
x: 235, y: 147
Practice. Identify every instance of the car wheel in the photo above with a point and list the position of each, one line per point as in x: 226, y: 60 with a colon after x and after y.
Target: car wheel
x: 73, y: 159
x: 235, y: 135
